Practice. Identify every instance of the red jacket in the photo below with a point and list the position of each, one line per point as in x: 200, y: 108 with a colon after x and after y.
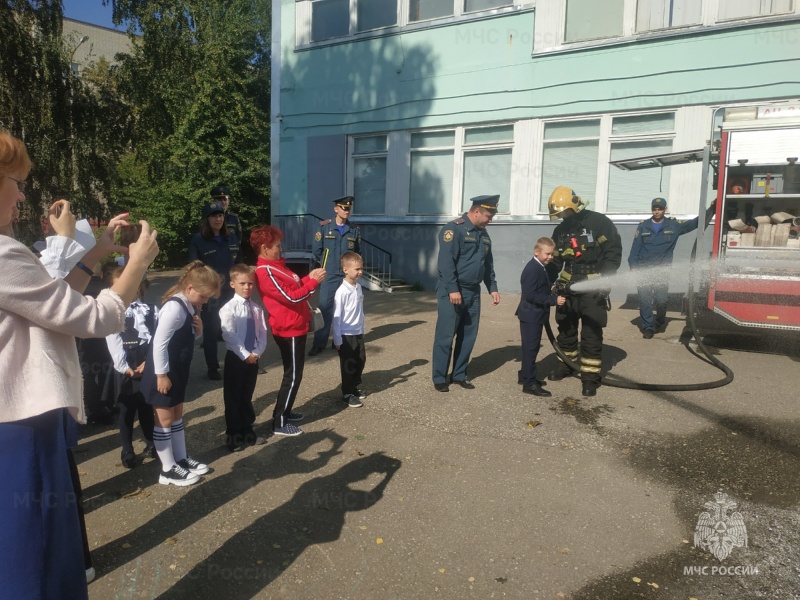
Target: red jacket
x: 285, y: 297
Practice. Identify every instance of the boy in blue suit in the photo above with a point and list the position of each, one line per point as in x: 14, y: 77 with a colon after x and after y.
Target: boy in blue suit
x: 534, y: 311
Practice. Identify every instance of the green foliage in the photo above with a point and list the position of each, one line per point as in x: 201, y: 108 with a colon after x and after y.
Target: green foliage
x: 199, y: 83
x: 34, y: 96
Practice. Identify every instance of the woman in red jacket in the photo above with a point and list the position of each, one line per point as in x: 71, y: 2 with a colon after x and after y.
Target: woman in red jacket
x: 285, y: 297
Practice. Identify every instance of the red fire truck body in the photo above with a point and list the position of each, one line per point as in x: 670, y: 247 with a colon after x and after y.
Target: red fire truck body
x: 753, y: 279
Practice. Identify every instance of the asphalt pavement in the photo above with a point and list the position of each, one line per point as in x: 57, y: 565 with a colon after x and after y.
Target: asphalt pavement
x: 488, y: 493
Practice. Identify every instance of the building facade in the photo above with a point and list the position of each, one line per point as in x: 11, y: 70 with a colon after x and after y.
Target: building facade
x: 414, y: 106
x: 88, y: 43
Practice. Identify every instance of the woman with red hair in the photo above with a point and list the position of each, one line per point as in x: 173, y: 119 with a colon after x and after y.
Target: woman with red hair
x: 285, y: 297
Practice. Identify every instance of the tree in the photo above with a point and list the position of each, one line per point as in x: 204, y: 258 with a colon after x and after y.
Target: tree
x: 34, y: 96
x: 198, y: 86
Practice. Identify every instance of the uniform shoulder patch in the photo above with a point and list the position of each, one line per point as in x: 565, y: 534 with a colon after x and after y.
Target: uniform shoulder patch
x: 318, y: 236
x: 324, y: 222
x: 459, y: 221
x: 448, y: 235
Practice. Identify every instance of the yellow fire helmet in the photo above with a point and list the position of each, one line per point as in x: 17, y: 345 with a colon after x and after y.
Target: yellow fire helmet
x: 563, y: 198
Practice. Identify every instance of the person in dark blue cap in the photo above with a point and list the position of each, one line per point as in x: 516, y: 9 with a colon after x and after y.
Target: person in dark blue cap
x: 334, y: 237
x: 465, y: 261
x: 217, y: 247
x: 221, y: 194
x: 651, y: 253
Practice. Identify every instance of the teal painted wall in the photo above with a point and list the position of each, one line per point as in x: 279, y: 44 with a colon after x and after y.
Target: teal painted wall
x: 483, y: 71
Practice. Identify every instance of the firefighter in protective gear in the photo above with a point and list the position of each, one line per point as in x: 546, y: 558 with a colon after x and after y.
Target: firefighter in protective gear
x: 588, y: 247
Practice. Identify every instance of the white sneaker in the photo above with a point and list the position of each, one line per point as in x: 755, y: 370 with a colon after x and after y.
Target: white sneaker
x: 177, y: 475
x: 90, y: 574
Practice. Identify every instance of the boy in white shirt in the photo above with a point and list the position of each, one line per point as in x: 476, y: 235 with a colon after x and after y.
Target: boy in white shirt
x: 245, y: 335
x: 348, y: 329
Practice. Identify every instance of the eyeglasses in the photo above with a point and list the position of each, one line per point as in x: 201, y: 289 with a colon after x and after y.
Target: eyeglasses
x: 21, y: 185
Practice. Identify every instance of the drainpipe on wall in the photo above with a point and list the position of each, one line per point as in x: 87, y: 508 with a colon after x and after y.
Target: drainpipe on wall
x: 275, y: 110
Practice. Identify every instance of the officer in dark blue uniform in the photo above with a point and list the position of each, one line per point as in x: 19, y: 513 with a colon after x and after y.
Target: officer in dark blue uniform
x: 653, y: 245
x: 221, y: 194
x: 218, y: 248
x: 465, y: 261
x: 334, y: 238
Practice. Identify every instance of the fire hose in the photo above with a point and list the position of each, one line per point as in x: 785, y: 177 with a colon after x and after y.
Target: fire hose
x: 657, y: 387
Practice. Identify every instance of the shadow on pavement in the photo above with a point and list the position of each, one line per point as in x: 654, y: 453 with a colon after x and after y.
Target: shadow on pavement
x: 252, y: 558
x: 207, y: 496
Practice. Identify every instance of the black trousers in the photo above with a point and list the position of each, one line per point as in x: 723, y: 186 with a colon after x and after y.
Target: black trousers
x: 531, y: 334
x: 238, y: 385
x: 590, y: 311
x: 212, y: 328
x: 352, y: 357
x: 131, y: 405
x: 293, y: 355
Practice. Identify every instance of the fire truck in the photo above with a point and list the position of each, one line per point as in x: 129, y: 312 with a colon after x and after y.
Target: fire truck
x: 747, y: 271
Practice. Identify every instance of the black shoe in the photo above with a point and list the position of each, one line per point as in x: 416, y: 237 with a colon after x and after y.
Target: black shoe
x: 128, y: 460
x: 589, y: 389
x: 314, y: 351
x: 465, y: 383
x: 661, y: 326
x: 352, y: 401
x: 539, y: 383
x: 559, y: 373
x: 150, y: 451
x: 441, y: 387
x: 536, y: 391
x: 214, y: 375
x: 647, y: 334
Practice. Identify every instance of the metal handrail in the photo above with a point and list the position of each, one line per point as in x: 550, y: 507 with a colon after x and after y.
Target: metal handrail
x: 298, y: 232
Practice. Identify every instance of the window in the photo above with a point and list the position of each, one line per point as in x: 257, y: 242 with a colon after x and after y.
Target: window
x: 487, y: 164
x: 591, y: 19
x: 569, y: 157
x: 576, y: 154
x: 369, y: 174
x: 628, y: 189
x: 329, y: 18
x: 323, y: 20
x: 422, y: 10
x: 475, y: 5
x: 740, y: 9
x: 662, y: 14
x: 566, y: 24
x: 373, y: 14
x: 431, y: 185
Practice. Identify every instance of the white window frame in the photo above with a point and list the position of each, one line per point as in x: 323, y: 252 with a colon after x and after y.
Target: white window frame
x: 398, y: 169
x: 605, y: 140
x: 551, y: 15
x: 351, y: 159
x: 303, y: 17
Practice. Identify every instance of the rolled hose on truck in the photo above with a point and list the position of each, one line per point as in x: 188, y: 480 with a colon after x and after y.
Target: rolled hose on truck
x: 657, y: 387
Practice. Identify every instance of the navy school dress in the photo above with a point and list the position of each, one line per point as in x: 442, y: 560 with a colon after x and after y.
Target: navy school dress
x: 180, y: 351
x: 120, y: 385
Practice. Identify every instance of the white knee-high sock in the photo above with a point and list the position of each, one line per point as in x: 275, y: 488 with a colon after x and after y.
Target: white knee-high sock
x: 178, y: 440
x: 162, y: 440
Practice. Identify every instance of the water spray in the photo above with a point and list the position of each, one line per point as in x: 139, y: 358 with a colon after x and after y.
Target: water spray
x: 604, y: 283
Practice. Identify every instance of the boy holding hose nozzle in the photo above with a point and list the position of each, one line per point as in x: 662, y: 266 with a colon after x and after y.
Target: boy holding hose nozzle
x: 587, y: 248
